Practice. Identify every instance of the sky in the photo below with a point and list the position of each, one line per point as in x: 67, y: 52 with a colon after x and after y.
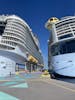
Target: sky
x: 36, y: 13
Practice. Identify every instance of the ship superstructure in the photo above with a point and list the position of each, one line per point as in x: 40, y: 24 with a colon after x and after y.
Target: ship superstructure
x: 61, y: 45
x: 18, y: 45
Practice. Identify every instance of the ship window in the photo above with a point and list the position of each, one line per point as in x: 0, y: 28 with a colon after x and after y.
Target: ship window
x: 68, y: 47
x: 54, y: 50
x: 51, y: 19
x: 2, y: 27
x: 63, y: 48
x: 65, y: 36
x: 4, y: 67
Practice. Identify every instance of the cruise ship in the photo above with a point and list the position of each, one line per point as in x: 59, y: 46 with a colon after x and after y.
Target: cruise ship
x: 18, y: 46
x: 61, y: 45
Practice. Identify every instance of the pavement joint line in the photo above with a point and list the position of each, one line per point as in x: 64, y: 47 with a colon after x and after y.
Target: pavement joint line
x: 58, y: 85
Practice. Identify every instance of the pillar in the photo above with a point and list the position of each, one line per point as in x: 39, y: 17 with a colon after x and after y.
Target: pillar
x: 25, y: 65
x: 36, y: 67
x: 31, y: 67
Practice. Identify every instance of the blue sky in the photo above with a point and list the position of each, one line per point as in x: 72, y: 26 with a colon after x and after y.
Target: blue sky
x: 36, y: 13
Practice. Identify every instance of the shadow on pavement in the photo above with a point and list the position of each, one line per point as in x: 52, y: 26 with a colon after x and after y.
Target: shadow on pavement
x: 66, y: 79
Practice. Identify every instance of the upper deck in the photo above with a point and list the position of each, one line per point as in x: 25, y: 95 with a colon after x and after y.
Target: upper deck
x: 62, y: 30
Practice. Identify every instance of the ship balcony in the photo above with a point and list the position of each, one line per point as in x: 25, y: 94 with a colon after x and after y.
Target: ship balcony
x: 15, y: 25
x: 9, y: 37
x: 4, y: 46
x: 13, y: 41
x: 12, y: 35
x: 15, y: 31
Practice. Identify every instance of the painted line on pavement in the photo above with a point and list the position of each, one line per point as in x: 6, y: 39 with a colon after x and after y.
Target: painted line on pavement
x: 8, y: 83
x: 5, y: 96
x: 21, y: 85
x: 4, y: 80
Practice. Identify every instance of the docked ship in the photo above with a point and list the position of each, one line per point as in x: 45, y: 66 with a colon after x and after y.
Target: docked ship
x: 61, y: 45
x: 18, y: 46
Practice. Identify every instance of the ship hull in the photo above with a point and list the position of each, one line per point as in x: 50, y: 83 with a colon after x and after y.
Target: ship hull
x: 64, y: 64
x: 8, y: 61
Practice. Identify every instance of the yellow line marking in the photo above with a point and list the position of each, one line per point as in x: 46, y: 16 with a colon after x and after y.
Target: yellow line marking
x: 58, y: 85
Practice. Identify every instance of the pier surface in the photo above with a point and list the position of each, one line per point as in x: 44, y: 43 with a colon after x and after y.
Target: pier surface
x: 32, y: 87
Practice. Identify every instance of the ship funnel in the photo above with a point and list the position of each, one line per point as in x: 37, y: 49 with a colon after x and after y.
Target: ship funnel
x: 51, y: 21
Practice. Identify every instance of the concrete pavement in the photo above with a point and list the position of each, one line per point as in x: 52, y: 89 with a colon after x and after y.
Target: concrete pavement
x: 36, y: 88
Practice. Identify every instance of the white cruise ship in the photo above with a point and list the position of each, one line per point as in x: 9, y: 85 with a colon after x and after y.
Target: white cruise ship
x: 18, y: 46
x: 61, y: 45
